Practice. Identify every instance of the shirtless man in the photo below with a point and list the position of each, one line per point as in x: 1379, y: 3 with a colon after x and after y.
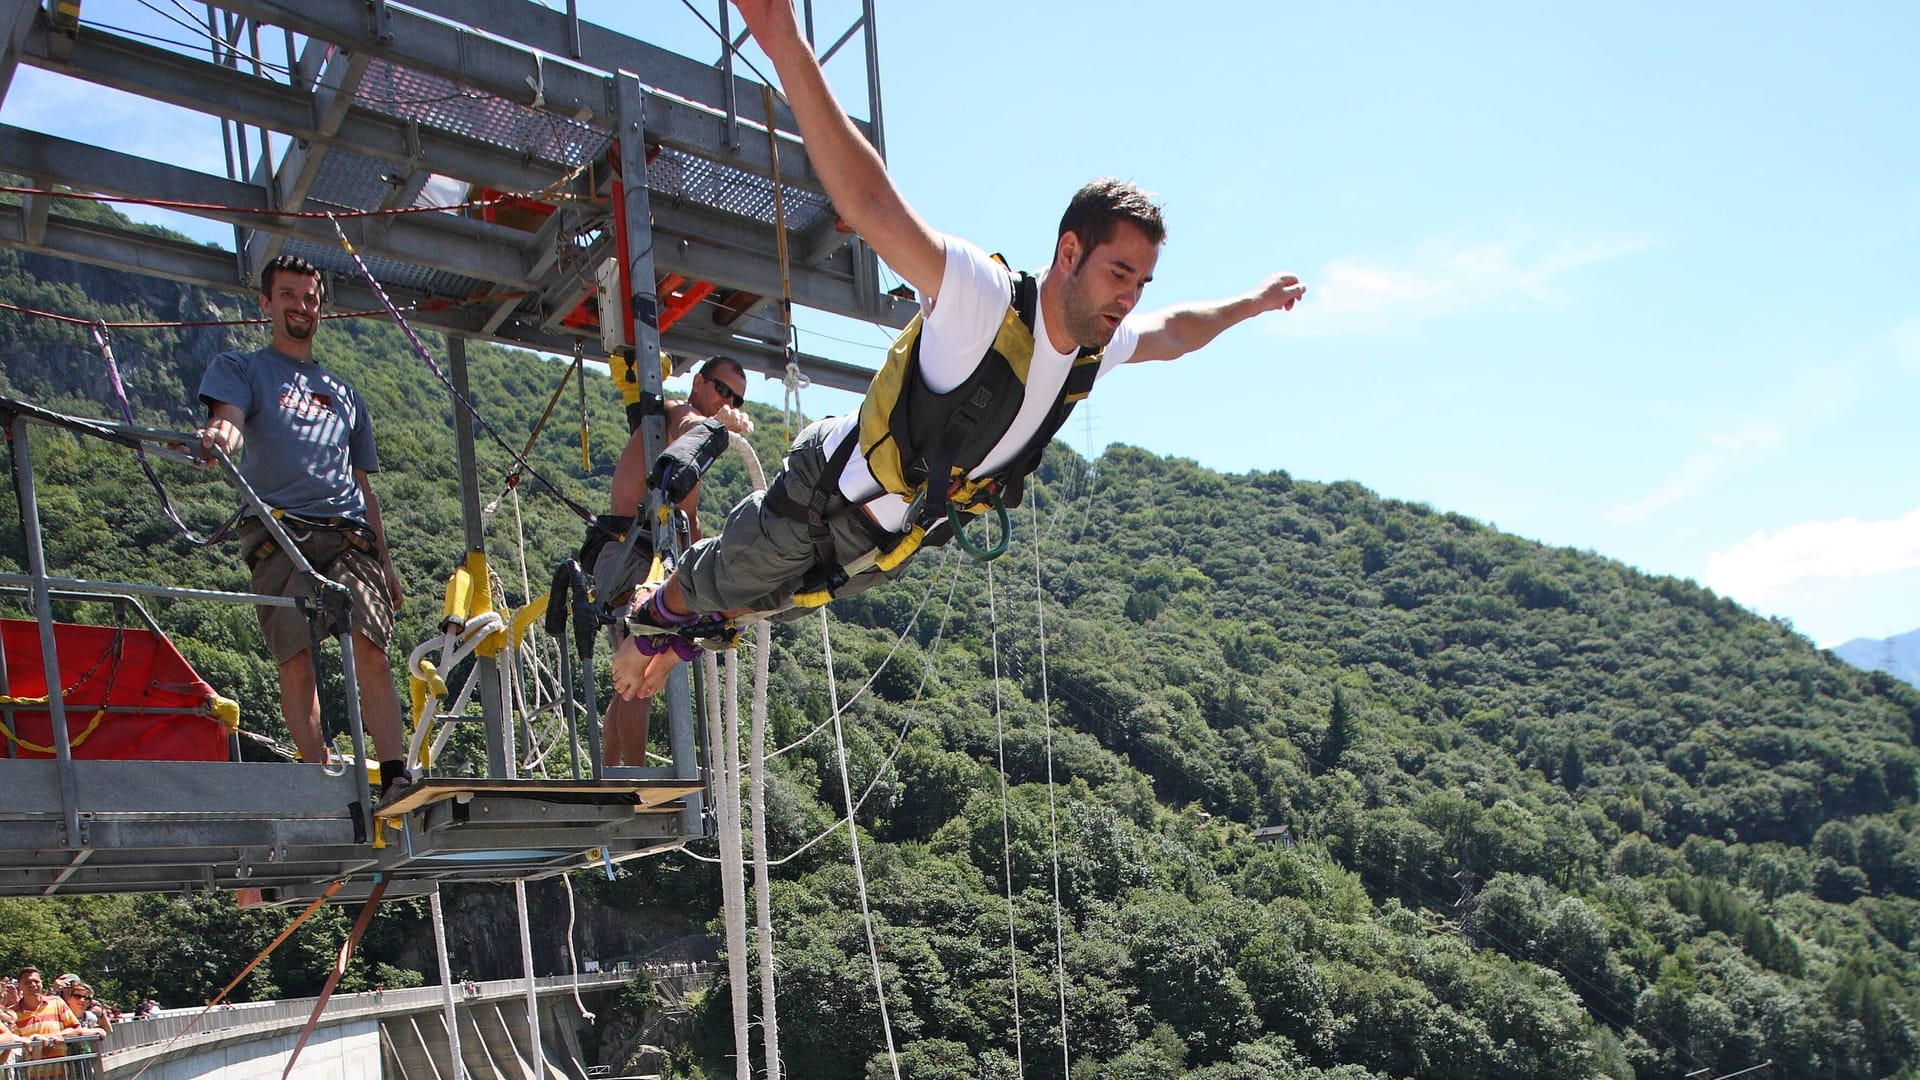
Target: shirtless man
x: 719, y: 391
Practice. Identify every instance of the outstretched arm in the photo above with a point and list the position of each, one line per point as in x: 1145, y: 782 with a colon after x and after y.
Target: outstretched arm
x: 1179, y: 330
x: 855, y: 177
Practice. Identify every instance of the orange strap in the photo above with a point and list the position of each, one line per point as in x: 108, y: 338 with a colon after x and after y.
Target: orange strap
x: 248, y: 970
x: 339, y: 969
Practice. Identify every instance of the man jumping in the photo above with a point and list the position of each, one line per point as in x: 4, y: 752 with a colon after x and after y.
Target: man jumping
x: 972, y: 392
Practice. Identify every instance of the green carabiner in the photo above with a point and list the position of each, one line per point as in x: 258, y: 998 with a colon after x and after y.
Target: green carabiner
x: 1006, y: 529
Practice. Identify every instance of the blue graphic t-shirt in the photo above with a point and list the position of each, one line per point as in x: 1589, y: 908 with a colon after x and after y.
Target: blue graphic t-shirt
x: 306, y: 431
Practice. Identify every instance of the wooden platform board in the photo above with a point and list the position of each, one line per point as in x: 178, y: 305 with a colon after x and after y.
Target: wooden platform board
x: 640, y: 794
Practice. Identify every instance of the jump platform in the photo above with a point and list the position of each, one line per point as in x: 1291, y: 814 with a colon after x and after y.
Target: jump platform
x: 290, y: 830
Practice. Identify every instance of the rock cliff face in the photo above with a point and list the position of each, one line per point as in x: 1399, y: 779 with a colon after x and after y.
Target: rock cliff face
x: 483, y: 933
x: 46, y: 362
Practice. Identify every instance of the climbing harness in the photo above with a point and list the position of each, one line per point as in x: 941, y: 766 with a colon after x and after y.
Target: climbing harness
x: 925, y: 446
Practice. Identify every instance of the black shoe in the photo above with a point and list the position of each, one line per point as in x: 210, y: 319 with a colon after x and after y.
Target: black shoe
x: 395, y: 788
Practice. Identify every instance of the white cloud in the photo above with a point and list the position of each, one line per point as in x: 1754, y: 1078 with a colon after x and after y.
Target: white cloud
x: 1699, y: 469
x: 1443, y: 276
x: 1765, y: 564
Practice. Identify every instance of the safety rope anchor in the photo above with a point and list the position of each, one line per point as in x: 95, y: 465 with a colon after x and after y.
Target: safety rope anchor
x: 1005, y: 528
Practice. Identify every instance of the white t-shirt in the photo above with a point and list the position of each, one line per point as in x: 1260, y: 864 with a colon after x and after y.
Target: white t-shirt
x: 958, y: 327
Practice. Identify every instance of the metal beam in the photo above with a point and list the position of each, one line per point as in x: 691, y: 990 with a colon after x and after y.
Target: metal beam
x: 549, y: 31
x: 123, y: 249
x: 99, y: 244
x: 439, y: 241
x: 507, y: 70
x: 189, y: 83
x: 706, y: 245
x: 16, y: 20
x: 34, y: 210
x: 300, y: 165
x: 480, y: 61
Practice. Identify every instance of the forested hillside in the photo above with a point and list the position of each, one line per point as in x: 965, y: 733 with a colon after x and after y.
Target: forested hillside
x: 1546, y: 816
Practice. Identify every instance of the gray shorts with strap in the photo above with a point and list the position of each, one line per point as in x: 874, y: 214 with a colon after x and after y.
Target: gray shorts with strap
x: 763, y: 556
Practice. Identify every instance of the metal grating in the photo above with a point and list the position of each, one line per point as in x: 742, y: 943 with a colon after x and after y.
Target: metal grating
x: 351, y: 181
x: 683, y: 176
x: 391, y: 273
x: 441, y: 103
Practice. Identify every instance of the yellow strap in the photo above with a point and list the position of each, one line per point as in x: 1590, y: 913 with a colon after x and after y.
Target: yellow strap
x: 72, y: 744
x: 902, y: 551
x: 885, y: 563
x: 526, y: 617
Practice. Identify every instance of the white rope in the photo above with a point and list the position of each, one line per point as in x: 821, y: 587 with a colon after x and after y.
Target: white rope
x: 762, y: 886
x: 520, y: 533
x: 899, y: 743
x: 1053, y: 816
x: 853, y: 836
x: 1006, y: 831
x: 756, y: 793
x: 724, y: 747
x: 573, y: 957
x: 898, y: 641
x: 448, y: 1016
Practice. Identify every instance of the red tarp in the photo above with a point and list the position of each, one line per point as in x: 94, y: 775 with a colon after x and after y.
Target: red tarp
x: 148, y: 672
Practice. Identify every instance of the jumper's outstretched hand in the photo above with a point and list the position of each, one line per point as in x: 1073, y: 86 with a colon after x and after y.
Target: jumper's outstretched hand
x: 1280, y: 292
x: 762, y: 16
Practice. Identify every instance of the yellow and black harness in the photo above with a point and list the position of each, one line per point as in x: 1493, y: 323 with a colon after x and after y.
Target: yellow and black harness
x: 923, y: 446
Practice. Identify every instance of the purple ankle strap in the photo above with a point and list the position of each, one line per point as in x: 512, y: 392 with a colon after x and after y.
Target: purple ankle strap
x: 660, y: 616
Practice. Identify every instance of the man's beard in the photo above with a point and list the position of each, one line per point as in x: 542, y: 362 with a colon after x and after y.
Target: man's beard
x: 1084, y: 324
x: 298, y: 331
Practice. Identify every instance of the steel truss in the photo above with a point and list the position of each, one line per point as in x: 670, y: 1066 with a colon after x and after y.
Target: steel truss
x: 352, y: 108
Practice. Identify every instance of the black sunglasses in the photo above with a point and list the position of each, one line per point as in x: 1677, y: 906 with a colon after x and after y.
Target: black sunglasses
x: 726, y: 392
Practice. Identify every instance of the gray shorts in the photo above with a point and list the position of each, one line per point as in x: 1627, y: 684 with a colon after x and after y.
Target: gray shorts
x: 761, y: 558
x: 334, y: 554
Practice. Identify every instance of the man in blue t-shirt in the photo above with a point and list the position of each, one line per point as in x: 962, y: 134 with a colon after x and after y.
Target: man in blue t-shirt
x: 309, y: 453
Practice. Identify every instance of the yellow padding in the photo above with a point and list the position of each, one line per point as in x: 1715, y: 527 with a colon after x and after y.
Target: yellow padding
x: 459, y: 598
x: 225, y: 710
x: 525, y: 618
x: 902, y: 551
x: 626, y: 376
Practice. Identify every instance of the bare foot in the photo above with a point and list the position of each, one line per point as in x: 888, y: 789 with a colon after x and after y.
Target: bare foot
x: 630, y: 670
x: 658, y: 668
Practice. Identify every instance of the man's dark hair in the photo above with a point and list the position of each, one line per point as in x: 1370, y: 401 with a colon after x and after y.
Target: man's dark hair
x: 26, y: 971
x: 724, y: 363
x: 292, y: 264
x: 1099, y: 208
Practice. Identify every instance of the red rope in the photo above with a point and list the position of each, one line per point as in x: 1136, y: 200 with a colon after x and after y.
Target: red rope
x: 76, y: 321
x: 180, y: 204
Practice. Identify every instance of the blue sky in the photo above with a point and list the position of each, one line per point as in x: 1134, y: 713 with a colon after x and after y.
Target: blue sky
x: 1638, y: 279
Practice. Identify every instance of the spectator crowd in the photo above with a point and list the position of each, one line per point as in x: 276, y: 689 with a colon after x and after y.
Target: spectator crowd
x: 37, y: 1022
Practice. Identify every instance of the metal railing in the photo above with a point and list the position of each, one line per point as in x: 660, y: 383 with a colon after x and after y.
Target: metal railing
x: 80, y: 1061
x: 267, y: 1015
